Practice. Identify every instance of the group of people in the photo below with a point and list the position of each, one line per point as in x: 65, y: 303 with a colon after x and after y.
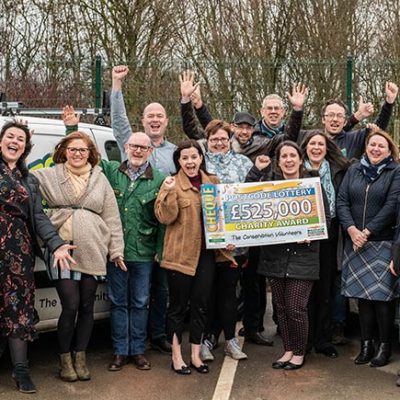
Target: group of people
x: 138, y: 224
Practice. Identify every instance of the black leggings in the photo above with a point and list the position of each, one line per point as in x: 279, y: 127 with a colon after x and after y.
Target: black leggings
x: 372, y: 311
x: 77, y: 297
x: 224, y: 304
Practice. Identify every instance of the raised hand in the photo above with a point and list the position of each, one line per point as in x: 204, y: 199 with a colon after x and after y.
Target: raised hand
x: 25, y: 122
x: 118, y: 74
x: 391, y: 91
x: 373, y: 128
x: 169, y: 182
x: 69, y: 116
x: 298, y: 96
x: 186, y: 79
x: 364, y: 110
x: 262, y: 162
x: 197, y: 101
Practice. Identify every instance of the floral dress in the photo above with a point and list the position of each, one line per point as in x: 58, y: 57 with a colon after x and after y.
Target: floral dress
x: 16, y: 258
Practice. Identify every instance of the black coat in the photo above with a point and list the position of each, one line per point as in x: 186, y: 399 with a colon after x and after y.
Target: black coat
x: 290, y: 260
x: 371, y: 206
x: 39, y: 224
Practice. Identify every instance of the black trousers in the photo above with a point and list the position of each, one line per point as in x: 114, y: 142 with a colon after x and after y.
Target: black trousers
x: 320, y: 303
x: 254, y: 294
x: 223, y: 307
x: 196, y: 290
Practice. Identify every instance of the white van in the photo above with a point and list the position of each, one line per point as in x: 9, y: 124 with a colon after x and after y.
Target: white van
x: 47, y: 133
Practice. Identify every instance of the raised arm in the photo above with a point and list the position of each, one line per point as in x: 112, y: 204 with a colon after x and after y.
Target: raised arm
x: 297, y: 99
x: 202, y: 112
x: 166, y: 205
x: 189, y: 124
x: 364, y: 110
x: 70, y: 119
x: 119, y: 118
x: 383, y: 119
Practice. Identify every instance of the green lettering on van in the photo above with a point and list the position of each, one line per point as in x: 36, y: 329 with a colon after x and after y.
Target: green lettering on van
x: 46, y: 161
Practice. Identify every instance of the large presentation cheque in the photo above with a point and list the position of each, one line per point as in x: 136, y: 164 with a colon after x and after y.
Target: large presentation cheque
x: 262, y: 213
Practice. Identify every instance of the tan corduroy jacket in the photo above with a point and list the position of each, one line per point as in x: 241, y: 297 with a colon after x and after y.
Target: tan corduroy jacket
x: 179, y: 209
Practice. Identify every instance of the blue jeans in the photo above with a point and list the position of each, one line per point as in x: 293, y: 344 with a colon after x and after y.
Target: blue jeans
x: 158, y: 303
x: 129, y: 293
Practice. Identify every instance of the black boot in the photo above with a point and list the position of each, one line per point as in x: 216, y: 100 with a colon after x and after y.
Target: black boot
x: 22, y: 378
x: 366, y: 353
x: 382, y: 355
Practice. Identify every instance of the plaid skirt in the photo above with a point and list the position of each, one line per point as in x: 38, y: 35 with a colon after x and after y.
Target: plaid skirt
x: 366, y: 274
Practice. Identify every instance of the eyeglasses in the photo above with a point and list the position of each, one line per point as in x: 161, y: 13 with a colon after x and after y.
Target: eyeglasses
x: 273, y: 108
x: 216, y: 140
x: 82, y: 150
x: 136, y: 147
x: 332, y: 115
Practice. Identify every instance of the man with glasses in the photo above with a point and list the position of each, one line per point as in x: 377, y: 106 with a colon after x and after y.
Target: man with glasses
x: 337, y: 126
x: 155, y: 123
x: 136, y: 186
x: 273, y: 114
x: 248, y: 138
x: 334, y: 118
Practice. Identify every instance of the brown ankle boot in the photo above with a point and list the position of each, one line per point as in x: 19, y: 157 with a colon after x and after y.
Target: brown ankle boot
x: 81, y: 367
x: 67, y: 371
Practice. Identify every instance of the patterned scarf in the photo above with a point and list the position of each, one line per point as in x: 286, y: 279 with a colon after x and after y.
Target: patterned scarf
x: 326, y: 181
x: 270, y: 132
x: 372, y: 171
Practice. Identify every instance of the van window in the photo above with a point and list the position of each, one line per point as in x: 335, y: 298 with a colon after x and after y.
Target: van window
x: 112, y: 150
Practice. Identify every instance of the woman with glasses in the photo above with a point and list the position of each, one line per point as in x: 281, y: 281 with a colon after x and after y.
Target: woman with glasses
x: 82, y: 206
x: 229, y: 167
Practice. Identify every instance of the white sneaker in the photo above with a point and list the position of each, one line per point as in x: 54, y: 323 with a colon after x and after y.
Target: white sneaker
x: 205, y: 353
x: 233, y: 350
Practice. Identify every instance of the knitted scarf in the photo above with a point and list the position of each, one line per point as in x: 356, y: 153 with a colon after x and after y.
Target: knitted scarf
x: 270, y: 132
x: 372, y: 171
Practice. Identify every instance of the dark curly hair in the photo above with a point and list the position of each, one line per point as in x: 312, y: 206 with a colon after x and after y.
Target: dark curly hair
x: 21, y: 163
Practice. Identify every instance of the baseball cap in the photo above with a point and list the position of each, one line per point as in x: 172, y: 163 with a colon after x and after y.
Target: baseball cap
x: 244, y: 118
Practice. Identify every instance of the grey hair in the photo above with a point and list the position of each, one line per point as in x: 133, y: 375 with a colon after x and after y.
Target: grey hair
x: 273, y: 96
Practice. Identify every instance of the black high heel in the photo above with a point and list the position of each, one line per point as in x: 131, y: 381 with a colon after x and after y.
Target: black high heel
x: 202, y: 369
x: 184, y: 370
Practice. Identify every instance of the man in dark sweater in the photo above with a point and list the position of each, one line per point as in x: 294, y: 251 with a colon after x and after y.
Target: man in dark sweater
x: 336, y: 125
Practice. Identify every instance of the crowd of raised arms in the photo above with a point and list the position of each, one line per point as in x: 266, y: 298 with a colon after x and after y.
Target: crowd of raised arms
x: 138, y: 224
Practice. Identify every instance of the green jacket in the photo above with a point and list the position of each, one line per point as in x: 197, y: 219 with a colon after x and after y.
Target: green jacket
x: 143, y: 234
